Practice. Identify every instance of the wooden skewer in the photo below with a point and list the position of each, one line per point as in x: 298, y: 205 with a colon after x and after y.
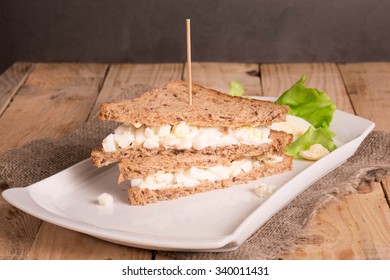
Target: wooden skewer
x: 189, y: 61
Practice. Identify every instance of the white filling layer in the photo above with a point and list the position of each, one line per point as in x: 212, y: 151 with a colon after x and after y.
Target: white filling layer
x: 193, y: 176
x: 183, y: 136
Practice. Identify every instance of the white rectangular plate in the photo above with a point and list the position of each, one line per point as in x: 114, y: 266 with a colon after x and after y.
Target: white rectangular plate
x: 215, y: 221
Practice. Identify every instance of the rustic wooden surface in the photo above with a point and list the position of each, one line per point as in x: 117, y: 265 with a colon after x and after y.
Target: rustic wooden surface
x: 35, y: 97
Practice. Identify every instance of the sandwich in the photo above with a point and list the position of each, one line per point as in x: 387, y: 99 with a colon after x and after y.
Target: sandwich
x: 167, y: 149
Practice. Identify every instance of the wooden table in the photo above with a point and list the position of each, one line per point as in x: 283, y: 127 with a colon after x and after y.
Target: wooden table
x: 50, y: 100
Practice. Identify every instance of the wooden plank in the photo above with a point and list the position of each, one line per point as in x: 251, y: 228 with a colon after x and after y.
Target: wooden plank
x: 277, y: 78
x: 10, y: 82
x: 325, y: 234
x: 368, y: 85
x: 122, y: 76
x: 119, y: 77
x: 49, y: 104
x: 356, y: 227
x: 56, y: 243
x: 17, y: 232
x: 54, y: 100
x: 219, y: 75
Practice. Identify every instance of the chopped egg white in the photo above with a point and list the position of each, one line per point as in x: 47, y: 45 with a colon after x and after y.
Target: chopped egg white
x: 249, y: 135
x: 190, y: 182
x: 246, y: 165
x: 315, y: 152
x: 105, y: 199
x: 109, y: 144
x: 163, y: 130
x: 139, y: 135
x: 135, y: 182
x: 164, y: 177
x: 123, y: 140
x: 193, y: 176
x: 183, y: 136
x: 149, y: 133
x: 201, y: 174
x: 151, y: 144
x: 181, y: 130
x: 294, y: 125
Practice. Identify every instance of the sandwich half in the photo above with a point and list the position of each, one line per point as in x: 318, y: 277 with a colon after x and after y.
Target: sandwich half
x: 166, y: 148
x: 162, y: 177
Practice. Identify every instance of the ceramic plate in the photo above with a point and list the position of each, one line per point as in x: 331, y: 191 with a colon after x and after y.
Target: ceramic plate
x: 213, y: 221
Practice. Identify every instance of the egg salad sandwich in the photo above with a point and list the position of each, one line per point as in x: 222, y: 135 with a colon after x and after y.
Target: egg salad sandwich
x: 167, y: 149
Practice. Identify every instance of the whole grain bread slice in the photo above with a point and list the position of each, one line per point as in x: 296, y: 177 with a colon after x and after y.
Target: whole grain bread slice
x: 141, y: 167
x: 138, y: 196
x: 277, y: 146
x: 210, y: 108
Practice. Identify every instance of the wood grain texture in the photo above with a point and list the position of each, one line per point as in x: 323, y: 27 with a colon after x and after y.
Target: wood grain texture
x: 54, y: 100
x: 349, y: 228
x: 17, y: 229
x: 122, y: 76
x: 219, y: 75
x: 355, y: 227
x: 277, y: 78
x: 17, y: 232
x: 10, y: 82
x: 57, y: 243
x: 327, y: 77
x: 368, y: 85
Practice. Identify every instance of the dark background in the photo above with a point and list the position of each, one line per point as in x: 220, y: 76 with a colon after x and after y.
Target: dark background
x: 230, y: 30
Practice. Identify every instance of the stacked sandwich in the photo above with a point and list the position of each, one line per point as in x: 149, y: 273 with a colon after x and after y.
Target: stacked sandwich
x: 168, y: 149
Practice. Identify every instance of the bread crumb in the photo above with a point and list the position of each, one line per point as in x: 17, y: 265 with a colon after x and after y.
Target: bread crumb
x: 105, y: 199
x: 264, y: 190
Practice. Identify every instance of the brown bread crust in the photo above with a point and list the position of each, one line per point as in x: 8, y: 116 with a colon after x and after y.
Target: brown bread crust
x: 277, y: 146
x: 138, y: 196
x: 210, y: 108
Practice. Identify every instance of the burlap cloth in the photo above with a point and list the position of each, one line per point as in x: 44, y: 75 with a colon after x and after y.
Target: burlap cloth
x: 39, y: 159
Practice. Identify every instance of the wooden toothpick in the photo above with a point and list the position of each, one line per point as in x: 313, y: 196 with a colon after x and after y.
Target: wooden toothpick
x: 189, y: 61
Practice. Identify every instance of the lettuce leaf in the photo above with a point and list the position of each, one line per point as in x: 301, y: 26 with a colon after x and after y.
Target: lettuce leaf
x: 314, y: 106
x: 236, y: 89
x: 310, y: 104
x: 310, y: 137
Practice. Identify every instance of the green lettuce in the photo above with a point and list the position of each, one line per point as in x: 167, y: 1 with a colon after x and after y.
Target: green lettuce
x: 236, y: 89
x: 314, y: 106
x: 310, y: 137
x: 310, y: 104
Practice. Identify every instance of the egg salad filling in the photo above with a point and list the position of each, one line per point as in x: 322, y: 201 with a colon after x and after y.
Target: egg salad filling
x: 193, y: 176
x: 183, y: 136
